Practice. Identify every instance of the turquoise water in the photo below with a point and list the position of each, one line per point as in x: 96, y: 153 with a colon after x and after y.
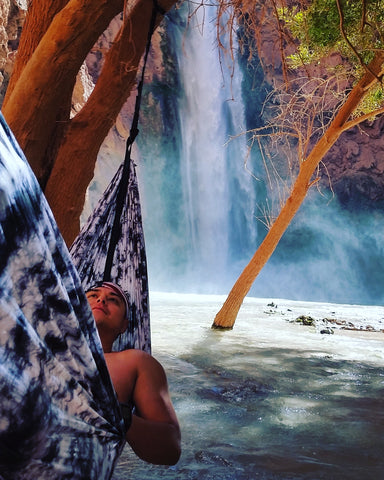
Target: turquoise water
x: 270, y: 399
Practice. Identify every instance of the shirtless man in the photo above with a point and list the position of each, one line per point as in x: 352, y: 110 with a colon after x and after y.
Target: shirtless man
x: 138, y: 379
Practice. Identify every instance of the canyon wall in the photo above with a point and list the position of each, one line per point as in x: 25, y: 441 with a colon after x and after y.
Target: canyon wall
x: 12, y: 15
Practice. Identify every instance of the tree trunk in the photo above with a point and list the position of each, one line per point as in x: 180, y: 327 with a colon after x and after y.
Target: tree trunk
x: 39, y: 17
x: 38, y: 107
x: 86, y: 132
x: 54, y: 44
x: 226, y: 317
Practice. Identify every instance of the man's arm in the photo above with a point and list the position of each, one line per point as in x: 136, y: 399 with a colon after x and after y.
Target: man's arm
x: 154, y: 434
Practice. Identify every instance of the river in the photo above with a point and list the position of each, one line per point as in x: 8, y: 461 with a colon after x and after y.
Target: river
x: 271, y: 399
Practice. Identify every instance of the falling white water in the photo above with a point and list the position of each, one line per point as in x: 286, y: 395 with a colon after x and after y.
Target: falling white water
x: 211, y: 112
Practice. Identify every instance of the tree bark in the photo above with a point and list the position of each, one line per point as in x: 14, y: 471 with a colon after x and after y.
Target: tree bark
x: 39, y: 17
x: 38, y: 107
x: 226, y: 317
x: 56, y: 39
x: 87, y: 130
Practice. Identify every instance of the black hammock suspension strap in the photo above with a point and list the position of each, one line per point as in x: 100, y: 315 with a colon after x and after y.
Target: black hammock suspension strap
x: 123, y: 186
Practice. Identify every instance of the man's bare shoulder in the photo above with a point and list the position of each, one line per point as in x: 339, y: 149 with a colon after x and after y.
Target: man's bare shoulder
x: 132, y: 360
x: 135, y: 369
x: 128, y: 354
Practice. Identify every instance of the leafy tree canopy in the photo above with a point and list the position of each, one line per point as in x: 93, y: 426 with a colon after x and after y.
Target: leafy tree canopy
x: 355, y: 28
x: 352, y: 28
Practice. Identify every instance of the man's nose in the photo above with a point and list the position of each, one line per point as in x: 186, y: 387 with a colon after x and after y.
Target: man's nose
x: 101, y: 299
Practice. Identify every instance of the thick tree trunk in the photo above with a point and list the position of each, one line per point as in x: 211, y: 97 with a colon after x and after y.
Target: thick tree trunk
x: 39, y: 17
x: 86, y: 132
x: 55, y: 42
x: 226, y: 317
x: 39, y: 105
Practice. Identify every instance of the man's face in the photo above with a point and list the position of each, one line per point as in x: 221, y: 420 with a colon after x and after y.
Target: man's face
x: 108, y: 308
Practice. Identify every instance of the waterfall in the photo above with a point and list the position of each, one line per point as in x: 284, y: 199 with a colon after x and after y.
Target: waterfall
x: 201, y: 204
x: 215, y: 197
x: 212, y: 111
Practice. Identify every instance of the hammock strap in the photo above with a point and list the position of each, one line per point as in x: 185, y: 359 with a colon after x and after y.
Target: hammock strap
x: 123, y: 186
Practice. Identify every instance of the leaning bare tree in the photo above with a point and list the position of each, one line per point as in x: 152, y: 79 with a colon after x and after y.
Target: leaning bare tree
x: 371, y: 62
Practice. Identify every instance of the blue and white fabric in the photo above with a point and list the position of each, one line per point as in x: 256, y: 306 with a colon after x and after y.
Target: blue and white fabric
x: 129, y: 266
x: 59, y: 416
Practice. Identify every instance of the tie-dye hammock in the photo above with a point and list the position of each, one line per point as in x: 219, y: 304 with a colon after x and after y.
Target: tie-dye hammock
x: 128, y: 267
x: 59, y: 416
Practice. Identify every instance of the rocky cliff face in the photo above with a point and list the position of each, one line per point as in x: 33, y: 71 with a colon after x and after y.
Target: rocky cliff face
x: 353, y: 168
x: 12, y: 15
x: 356, y: 166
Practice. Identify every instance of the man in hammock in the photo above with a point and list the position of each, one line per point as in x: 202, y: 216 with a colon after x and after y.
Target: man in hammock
x: 59, y: 415
x: 138, y: 379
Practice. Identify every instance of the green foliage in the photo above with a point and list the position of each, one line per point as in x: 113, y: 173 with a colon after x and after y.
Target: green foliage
x: 371, y: 102
x: 319, y: 28
x: 324, y: 20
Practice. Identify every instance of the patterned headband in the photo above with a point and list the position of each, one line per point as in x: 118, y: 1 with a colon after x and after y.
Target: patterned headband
x: 115, y: 288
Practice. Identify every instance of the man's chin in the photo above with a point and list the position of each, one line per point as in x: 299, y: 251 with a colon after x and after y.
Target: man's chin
x: 98, y: 315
